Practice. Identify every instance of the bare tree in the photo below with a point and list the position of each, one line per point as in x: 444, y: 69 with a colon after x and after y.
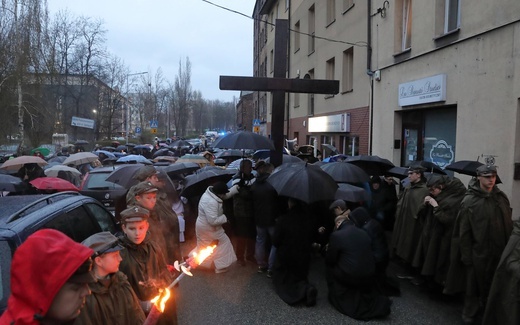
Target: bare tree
x: 183, y: 97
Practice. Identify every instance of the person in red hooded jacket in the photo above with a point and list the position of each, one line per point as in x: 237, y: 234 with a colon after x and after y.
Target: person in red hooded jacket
x: 50, y: 274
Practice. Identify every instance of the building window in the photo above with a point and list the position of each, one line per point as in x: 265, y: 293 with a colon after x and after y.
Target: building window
x: 331, y: 11
x: 348, y: 70
x: 271, y: 61
x: 407, y: 25
x: 312, y: 29
x: 287, y: 4
x: 451, y: 15
x: 347, y: 4
x: 310, y: 109
x: 330, y: 69
x: 297, y: 36
x: 349, y: 145
x: 296, y: 100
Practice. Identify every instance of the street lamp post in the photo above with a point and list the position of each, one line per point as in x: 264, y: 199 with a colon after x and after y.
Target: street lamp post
x: 128, y: 110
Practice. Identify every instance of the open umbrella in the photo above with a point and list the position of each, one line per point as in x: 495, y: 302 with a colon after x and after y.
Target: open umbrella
x: 44, y: 151
x: 304, y: 182
x: 134, y: 159
x: 230, y: 153
x: 430, y: 166
x: 80, y: 158
x: 345, y: 173
x: 58, y: 159
x: 372, y: 165
x: 54, y: 170
x: 124, y: 175
x: 236, y: 163
x: 397, y: 171
x: 80, y: 143
x: 180, y: 168
x: 163, y: 152
x: 180, y: 143
x: 53, y: 183
x: 198, y: 159
x: 18, y: 162
x: 197, y: 183
x: 9, y: 183
x: 166, y: 159
x: 340, y: 157
x: 286, y: 159
x: 466, y: 167
x: 330, y: 150
x: 107, y: 153
x: 351, y: 193
x: 244, y: 140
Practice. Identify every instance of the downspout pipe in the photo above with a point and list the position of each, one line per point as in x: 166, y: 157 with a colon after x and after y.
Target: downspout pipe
x: 370, y: 73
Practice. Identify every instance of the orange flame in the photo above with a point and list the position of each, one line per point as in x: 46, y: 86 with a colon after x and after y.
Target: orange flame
x: 160, y: 300
x: 203, y: 254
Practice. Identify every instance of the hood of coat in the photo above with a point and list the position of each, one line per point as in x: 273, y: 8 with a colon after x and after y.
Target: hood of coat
x: 40, y: 267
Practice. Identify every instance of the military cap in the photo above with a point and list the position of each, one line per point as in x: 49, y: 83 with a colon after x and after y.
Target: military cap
x: 144, y: 172
x: 338, y: 204
x: 143, y: 188
x: 133, y: 214
x: 103, y: 242
x: 487, y: 170
x: 416, y: 168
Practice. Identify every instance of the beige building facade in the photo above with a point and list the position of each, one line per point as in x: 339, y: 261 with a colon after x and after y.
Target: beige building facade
x: 434, y: 80
x: 448, y: 84
x: 327, y: 40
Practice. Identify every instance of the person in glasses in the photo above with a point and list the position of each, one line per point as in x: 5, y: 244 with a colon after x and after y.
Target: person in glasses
x: 113, y: 301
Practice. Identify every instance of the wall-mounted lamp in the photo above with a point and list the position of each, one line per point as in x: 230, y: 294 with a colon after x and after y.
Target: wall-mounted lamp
x: 382, y: 10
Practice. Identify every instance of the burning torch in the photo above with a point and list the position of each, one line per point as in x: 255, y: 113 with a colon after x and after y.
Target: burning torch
x: 159, y: 302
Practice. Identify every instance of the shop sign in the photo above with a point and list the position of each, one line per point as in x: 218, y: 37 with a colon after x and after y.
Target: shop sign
x: 427, y: 90
x: 330, y: 123
x: 82, y: 122
x: 442, y: 154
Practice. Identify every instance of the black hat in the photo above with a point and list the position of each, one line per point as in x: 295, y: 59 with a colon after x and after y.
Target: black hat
x: 436, y: 180
x: 145, y: 172
x: 359, y: 216
x: 220, y: 188
x: 143, y: 188
x: 103, y: 242
x: 338, y: 203
x: 133, y: 214
x: 487, y: 170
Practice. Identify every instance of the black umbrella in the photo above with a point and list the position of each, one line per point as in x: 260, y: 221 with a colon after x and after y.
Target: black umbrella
x: 350, y: 193
x: 180, y: 143
x: 345, y: 173
x: 80, y: 143
x: 163, y: 152
x: 9, y: 183
x: 397, y: 171
x: 180, y: 168
x: 304, y: 182
x: 124, y: 175
x: 330, y: 150
x: 372, y: 165
x: 466, y: 167
x: 286, y: 159
x: 231, y: 153
x: 198, y: 182
x: 430, y: 166
x: 244, y: 140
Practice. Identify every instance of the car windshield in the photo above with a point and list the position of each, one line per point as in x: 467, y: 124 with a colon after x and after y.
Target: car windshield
x: 98, y: 180
x: 5, y: 262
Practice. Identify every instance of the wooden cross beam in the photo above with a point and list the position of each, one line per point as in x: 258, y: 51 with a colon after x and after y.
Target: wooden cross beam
x: 279, y: 85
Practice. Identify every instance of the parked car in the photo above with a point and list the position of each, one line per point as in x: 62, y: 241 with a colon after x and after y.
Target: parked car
x: 110, y: 194
x: 75, y: 215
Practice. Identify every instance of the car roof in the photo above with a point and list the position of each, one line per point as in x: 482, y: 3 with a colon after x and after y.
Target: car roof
x: 17, y: 206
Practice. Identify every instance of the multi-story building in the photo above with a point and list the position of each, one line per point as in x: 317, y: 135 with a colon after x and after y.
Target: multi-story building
x: 327, y: 40
x: 448, y: 84
x: 434, y: 80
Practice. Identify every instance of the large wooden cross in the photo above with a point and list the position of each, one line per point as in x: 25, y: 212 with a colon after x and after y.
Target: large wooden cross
x: 279, y: 85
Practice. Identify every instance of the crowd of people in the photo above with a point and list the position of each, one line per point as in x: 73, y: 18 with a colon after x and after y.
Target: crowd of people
x: 450, y: 238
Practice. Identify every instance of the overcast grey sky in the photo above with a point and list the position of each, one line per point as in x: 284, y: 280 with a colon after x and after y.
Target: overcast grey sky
x: 148, y: 34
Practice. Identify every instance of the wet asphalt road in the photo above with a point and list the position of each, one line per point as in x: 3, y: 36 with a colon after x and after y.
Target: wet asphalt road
x: 243, y: 296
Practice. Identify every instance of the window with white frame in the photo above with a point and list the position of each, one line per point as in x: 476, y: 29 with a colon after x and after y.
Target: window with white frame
x: 297, y: 36
x: 451, y: 15
x: 407, y: 25
x: 348, y: 70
